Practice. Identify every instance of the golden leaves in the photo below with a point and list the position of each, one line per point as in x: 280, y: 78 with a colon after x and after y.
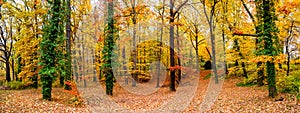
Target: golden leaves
x: 263, y: 58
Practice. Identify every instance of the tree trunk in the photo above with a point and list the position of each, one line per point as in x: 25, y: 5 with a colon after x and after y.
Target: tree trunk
x: 172, y: 61
x: 49, y: 55
x: 47, y: 87
x: 69, y: 74
x: 212, y: 36
x: 160, y: 47
x: 7, y: 70
x: 288, y: 65
x: 178, y: 52
x: 244, y: 70
x: 288, y: 57
x: 13, y: 68
x: 224, y: 49
x: 197, y: 52
x: 271, y: 79
x: 18, y: 68
x: 108, y: 49
x: 135, y: 75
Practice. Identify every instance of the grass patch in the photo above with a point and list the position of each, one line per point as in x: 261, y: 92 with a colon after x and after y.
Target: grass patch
x: 242, y: 84
x: 207, y: 76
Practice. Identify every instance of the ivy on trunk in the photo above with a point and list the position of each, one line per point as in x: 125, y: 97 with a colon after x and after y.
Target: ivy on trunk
x: 51, y: 48
x: 268, y: 40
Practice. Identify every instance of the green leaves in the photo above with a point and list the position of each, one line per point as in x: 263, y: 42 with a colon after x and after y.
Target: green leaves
x: 267, y: 43
x: 109, y: 43
x: 51, y: 48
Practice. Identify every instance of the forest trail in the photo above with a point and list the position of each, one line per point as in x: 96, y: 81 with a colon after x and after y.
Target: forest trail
x: 230, y: 99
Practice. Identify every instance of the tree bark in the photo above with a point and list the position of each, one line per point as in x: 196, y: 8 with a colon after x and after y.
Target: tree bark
x: 7, y: 70
x: 69, y: 74
x: 172, y: 63
x: 224, y: 49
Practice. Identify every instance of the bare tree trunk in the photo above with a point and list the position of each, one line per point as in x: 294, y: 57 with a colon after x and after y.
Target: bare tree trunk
x: 135, y: 75
x: 160, y: 45
x: 197, y: 52
x: 210, y: 20
x: 214, y: 64
x: 178, y: 50
x: 7, y: 70
x: 83, y: 62
x: 212, y: 36
x: 224, y: 49
x: 172, y: 64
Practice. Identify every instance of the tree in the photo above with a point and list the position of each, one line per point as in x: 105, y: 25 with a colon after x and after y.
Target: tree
x: 132, y: 13
x: 161, y: 14
x: 193, y: 29
x: 173, y: 13
x: 268, y: 40
x: 210, y: 20
x: 107, y: 51
x: 28, y: 33
x: 288, y: 25
x: 51, y: 56
x: 6, y: 43
x: 68, y: 35
x: 237, y: 32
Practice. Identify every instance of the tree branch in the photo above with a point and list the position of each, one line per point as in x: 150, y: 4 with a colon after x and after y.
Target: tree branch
x: 3, y: 58
x: 248, y: 11
x: 178, y: 8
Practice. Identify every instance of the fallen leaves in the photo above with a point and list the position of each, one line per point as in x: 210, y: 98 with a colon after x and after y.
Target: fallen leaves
x: 30, y: 101
x: 231, y: 99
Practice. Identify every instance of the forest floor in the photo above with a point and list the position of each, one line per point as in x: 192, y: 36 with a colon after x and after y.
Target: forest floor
x: 230, y: 99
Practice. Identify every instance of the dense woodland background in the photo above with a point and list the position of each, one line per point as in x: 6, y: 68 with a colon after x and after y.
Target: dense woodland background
x: 64, y: 43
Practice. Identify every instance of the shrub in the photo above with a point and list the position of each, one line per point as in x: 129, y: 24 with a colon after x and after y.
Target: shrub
x: 250, y: 81
x: 235, y: 71
x: 16, y: 85
x: 289, y: 84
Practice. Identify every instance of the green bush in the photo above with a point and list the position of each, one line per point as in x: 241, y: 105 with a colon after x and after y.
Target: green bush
x: 289, y: 84
x: 16, y: 85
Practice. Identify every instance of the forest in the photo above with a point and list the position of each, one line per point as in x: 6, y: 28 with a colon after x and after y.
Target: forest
x: 149, y: 56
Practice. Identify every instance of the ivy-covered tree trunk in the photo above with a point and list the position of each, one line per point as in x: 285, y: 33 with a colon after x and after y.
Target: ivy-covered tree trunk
x: 109, y: 43
x: 50, y: 50
x: 271, y: 79
x: 259, y: 65
x: 268, y: 40
x: 260, y: 74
